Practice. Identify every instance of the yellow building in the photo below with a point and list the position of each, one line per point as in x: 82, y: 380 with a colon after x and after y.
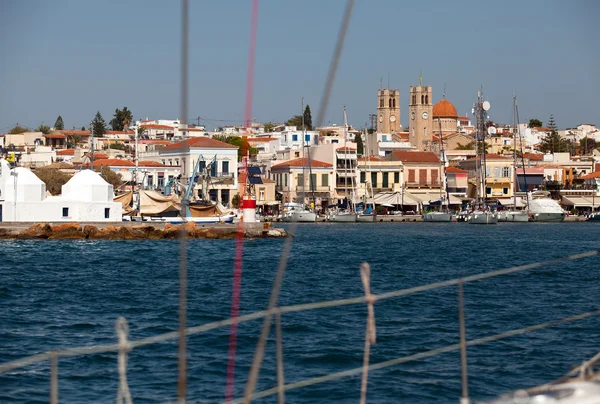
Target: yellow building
x: 499, y: 176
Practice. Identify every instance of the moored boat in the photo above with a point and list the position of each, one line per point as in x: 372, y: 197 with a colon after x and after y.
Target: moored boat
x: 437, y: 217
x: 482, y: 217
x: 513, y: 216
x: 298, y: 212
x: 546, y: 210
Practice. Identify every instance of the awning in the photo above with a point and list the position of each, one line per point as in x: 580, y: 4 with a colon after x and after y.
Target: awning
x: 577, y: 200
x: 427, y: 197
x: 267, y: 203
x: 455, y: 200
x: 511, y: 202
x: 395, y: 198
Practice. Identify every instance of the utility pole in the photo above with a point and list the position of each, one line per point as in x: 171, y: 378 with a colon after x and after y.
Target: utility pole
x: 92, y: 156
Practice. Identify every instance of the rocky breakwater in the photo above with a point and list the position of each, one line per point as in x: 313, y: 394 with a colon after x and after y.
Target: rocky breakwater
x: 136, y: 232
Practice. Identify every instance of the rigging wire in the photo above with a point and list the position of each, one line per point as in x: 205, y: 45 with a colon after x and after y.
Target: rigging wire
x: 239, y: 244
x: 266, y: 327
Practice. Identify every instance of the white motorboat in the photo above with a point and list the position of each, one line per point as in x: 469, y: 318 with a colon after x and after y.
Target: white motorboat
x: 298, y: 212
x: 546, y: 210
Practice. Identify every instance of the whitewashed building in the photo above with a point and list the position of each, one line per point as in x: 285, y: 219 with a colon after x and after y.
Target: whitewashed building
x: 85, y: 198
x: 223, y: 173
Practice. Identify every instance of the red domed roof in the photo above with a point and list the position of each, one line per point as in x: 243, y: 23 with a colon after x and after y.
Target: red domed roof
x: 444, y: 109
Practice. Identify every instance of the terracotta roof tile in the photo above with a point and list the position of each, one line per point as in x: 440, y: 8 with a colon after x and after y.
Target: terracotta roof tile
x: 444, y: 109
x: 150, y: 164
x: 120, y: 132
x: 155, y: 126
x: 111, y: 163
x: 303, y: 162
x: 75, y: 132
x: 595, y: 174
x: 455, y: 170
x: 415, y: 157
x: 532, y: 156
x: 55, y: 136
x: 345, y: 148
x: 66, y: 152
x: 261, y: 139
x: 371, y: 158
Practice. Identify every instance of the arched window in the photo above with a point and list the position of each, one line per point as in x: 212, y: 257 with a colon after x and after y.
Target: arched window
x: 394, y: 103
x: 390, y: 102
x: 422, y: 99
x: 427, y: 99
x: 414, y: 99
x: 381, y: 103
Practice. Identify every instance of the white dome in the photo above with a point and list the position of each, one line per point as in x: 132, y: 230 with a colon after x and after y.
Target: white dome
x: 26, y: 177
x: 27, y: 186
x: 88, y: 185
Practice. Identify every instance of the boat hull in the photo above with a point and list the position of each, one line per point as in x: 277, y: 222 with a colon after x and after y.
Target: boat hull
x: 300, y: 217
x: 343, y: 217
x: 483, y: 218
x: 366, y: 218
x: 548, y: 217
x: 513, y: 216
x: 437, y: 217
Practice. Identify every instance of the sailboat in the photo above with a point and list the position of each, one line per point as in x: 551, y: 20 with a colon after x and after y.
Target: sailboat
x: 514, y: 215
x: 298, y: 211
x: 481, y: 213
x: 368, y: 213
x: 347, y: 212
x: 440, y: 215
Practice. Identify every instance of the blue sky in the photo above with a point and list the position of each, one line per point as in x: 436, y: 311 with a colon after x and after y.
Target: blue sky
x: 74, y: 57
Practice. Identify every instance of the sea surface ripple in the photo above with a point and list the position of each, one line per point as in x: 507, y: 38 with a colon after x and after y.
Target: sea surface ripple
x: 63, y: 293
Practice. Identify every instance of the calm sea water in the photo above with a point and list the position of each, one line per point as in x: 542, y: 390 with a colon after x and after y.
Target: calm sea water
x: 59, y: 294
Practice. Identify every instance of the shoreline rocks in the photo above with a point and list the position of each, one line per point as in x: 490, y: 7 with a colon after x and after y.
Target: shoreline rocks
x: 138, y: 232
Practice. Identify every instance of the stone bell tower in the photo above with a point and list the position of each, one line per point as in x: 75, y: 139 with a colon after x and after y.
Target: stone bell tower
x: 388, y: 111
x: 420, y: 110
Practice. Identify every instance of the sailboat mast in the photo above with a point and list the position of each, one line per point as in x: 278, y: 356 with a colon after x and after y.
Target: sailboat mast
x: 345, y: 159
x: 443, y: 178
x: 303, y: 166
x: 515, y: 187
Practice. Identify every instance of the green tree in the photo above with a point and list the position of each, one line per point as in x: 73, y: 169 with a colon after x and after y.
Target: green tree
x: 59, y: 124
x: 235, y: 201
x: 98, y: 125
x: 122, y: 119
x: 82, y: 128
x: 534, y: 123
x: 17, y: 129
x: 296, y: 121
x: 53, y: 178
x: 73, y: 140
x: 587, y: 145
x: 307, y: 118
x: 269, y: 127
x: 45, y: 129
x: 468, y: 146
x: 553, y: 142
x: 110, y: 176
x: 241, y: 143
x: 360, y: 148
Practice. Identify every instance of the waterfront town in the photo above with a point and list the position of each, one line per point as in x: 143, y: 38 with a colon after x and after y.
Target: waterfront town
x: 396, y: 167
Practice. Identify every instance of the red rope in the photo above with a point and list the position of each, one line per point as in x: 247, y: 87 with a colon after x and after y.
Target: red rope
x: 239, y: 244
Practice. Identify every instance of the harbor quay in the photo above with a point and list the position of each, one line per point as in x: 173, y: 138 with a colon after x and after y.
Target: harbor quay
x: 136, y: 230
